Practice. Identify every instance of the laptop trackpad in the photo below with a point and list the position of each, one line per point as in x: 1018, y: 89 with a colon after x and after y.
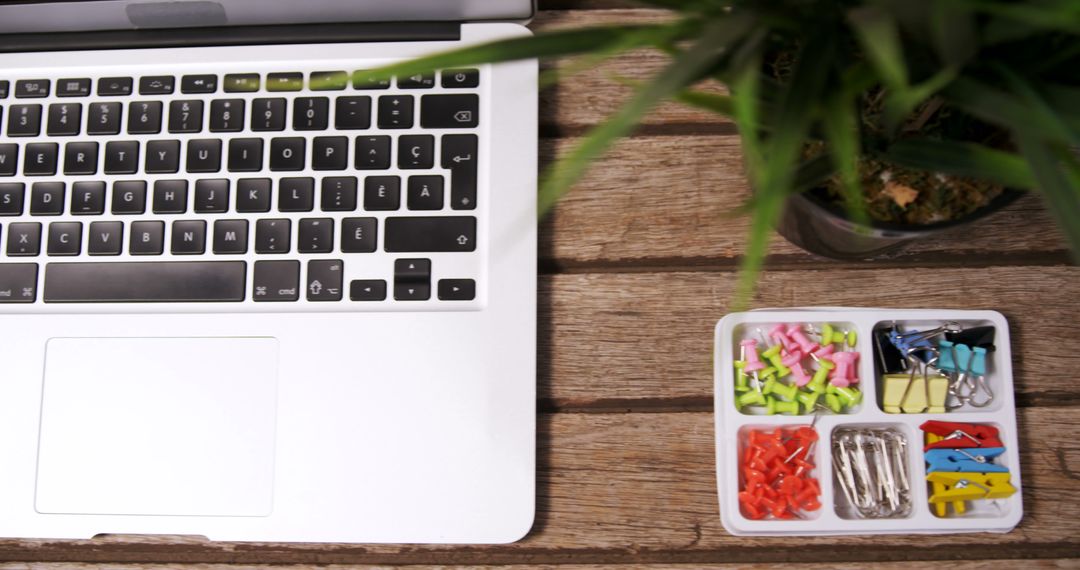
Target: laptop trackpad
x: 158, y: 426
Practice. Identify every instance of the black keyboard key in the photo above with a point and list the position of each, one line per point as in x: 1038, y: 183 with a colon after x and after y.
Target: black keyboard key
x: 32, y: 88
x: 359, y: 235
x: 104, y: 119
x: 212, y: 196
x: 330, y: 153
x: 457, y: 289
x: 188, y: 237
x: 65, y: 119
x: 352, y: 113
x: 129, y: 197
x: 339, y: 194
x: 88, y: 198
x: 157, y: 85
x: 311, y: 113
x: 80, y: 158
x: 372, y: 153
x: 296, y: 194
x: 276, y: 281
x: 417, y: 81
x: 287, y: 154
x: 18, y: 282
x: 65, y: 238
x: 395, y: 112
x: 329, y: 80
x: 272, y: 236
x: 5, y: 86
x: 122, y: 157
x: 430, y: 234
x: 226, y: 115
x: 162, y: 157
x: 144, y: 117
x: 11, y: 198
x: 324, y: 279
x: 242, y: 83
x: 73, y: 87
x: 185, y: 116
x: 204, y: 155
x: 47, y: 199
x: 24, y: 121
x: 459, y: 157
x: 285, y: 82
x: 412, y: 270
x: 147, y: 238
x: 24, y: 239
x: 170, y: 196
x: 315, y: 235
x: 41, y: 159
x: 449, y: 111
x: 245, y: 155
x: 367, y: 290
x: 359, y: 83
x: 268, y: 114
x: 425, y: 193
x: 105, y: 238
x: 198, y: 84
x: 253, y: 195
x: 114, y: 86
x: 460, y: 78
x: 412, y: 291
x: 9, y: 159
x: 416, y: 152
x: 147, y: 282
x: 382, y: 193
x: 230, y: 237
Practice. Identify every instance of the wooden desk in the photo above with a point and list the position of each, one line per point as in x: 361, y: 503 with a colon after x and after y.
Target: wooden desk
x: 637, y: 265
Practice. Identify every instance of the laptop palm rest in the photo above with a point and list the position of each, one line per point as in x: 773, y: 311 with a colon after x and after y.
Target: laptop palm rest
x: 158, y: 426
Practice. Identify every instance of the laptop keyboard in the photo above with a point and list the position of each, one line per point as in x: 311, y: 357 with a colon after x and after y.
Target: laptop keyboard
x: 278, y: 187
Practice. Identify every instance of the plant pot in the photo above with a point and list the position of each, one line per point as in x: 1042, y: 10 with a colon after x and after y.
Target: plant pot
x: 825, y: 230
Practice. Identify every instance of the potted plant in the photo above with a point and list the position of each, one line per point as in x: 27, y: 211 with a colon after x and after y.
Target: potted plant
x: 868, y: 122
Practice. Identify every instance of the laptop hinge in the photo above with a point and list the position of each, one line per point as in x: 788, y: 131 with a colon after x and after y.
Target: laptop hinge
x: 232, y: 36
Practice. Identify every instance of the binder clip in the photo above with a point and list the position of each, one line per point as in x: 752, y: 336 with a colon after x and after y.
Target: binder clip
x: 954, y: 435
x: 974, y: 460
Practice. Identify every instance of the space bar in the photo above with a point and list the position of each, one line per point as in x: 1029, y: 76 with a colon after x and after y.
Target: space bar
x: 145, y: 282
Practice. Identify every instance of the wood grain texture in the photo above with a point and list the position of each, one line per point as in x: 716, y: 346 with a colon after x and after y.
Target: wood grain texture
x: 1042, y: 564
x: 620, y: 341
x: 666, y: 202
x: 640, y: 489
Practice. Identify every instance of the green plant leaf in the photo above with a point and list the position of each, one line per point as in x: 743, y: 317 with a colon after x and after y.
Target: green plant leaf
x: 961, y: 159
x: 1005, y: 109
x: 1056, y: 173
x: 841, y: 123
x: 952, y: 25
x: 1044, y: 16
x: 717, y: 35
x: 719, y: 104
x: 550, y: 44
x: 879, y: 36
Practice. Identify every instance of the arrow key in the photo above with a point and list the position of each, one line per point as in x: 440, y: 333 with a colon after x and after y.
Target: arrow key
x: 412, y: 291
x: 457, y: 289
x: 412, y: 270
x: 367, y: 290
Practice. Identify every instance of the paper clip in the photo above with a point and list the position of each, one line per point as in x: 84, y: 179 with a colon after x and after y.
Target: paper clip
x: 974, y: 460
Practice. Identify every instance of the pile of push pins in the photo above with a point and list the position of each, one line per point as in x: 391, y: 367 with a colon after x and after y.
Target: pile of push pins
x: 776, y: 473
x: 783, y: 385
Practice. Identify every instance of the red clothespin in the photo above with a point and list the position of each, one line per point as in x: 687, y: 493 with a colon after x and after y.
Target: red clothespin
x: 959, y: 435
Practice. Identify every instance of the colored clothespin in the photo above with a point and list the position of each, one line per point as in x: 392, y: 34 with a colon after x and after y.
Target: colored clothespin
x: 974, y: 460
x: 957, y: 435
x: 941, y: 508
x: 970, y: 486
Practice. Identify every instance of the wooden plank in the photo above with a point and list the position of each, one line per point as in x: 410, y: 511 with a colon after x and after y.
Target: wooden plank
x: 633, y: 340
x: 640, y: 489
x: 666, y: 201
x: 1048, y: 564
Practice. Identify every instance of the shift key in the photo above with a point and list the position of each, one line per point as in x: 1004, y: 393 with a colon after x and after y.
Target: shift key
x: 422, y: 234
x: 18, y: 282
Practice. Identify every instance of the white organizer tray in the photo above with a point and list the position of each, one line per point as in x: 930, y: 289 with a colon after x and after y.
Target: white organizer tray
x: 1001, y: 515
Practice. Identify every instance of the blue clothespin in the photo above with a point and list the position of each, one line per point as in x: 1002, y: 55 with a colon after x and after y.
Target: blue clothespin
x: 974, y: 460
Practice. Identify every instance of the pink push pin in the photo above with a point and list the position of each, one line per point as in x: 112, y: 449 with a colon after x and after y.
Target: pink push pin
x: 806, y: 345
x: 777, y: 334
x: 793, y: 361
x: 824, y: 351
x: 750, y: 355
x: 844, y: 374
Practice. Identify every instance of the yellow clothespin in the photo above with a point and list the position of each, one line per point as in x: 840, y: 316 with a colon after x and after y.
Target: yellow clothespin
x: 971, y: 486
x: 942, y: 508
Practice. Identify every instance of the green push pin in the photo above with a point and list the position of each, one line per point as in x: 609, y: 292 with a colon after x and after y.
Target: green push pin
x: 817, y: 383
x: 787, y: 391
x: 741, y: 381
x: 808, y: 399
x: 773, y: 356
x: 777, y: 407
x: 826, y: 334
x: 850, y: 397
x: 851, y: 338
x: 767, y: 372
x: 833, y: 402
x: 750, y: 398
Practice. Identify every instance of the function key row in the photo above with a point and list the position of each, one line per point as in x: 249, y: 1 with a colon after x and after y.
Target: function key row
x: 233, y: 83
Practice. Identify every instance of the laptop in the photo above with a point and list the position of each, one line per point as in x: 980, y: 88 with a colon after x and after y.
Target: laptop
x: 248, y: 296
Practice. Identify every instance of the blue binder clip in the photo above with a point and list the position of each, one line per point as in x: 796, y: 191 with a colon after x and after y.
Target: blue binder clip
x: 974, y: 460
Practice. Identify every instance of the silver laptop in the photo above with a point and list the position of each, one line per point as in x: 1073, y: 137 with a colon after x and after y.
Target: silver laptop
x: 247, y: 296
